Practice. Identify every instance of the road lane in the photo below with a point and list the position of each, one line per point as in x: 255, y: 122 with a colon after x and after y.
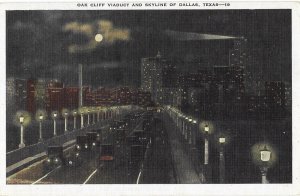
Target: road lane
x: 46, y: 175
x: 89, y: 172
x: 36, y: 171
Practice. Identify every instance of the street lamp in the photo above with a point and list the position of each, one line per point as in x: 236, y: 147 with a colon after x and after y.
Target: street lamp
x: 98, y: 114
x: 222, y: 141
x: 41, y: 118
x: 54, y: 116
x: 66, y: 120
x: 265, y: 156
x: 21, y: 120
x: 81, y: 120
x: 193, y: 133
x: 74, y: 115
x: 188, y: 131
x: 206, y: 150
x: 94, y: 112
x: 88, y: 113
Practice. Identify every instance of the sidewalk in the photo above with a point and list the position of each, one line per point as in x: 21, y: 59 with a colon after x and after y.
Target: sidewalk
x: 184, y: 168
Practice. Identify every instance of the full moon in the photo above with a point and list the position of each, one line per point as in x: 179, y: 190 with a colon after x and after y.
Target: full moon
x: 98, y: 37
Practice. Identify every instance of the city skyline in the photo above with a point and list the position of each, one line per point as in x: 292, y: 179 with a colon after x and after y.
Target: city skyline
x: 121, y: 55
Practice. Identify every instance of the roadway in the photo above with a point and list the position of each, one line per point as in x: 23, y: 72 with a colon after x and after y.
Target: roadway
x: 157, y: 164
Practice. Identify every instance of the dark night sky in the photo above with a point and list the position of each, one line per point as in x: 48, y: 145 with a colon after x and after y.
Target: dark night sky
x: 38, y: 42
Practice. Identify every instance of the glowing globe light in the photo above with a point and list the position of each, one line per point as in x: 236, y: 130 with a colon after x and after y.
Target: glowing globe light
x: 206, y: 128
x: 265, y: 154
x: 222, y: 140
x: 21, y: 119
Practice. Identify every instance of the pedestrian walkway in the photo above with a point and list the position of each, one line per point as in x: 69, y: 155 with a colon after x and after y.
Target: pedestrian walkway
x: 184, y: 168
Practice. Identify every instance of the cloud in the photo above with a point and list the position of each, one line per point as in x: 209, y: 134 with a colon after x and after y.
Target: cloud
x: 188, y: 36
x: 110, y: 34
x: 76, y: 27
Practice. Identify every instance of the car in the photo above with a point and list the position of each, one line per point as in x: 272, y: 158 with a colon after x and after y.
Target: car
x: 132, y: 140
x: 73, y: 159
x: 107, y: 152
x: 99, y: 133
x: 120, y: 135
x: 55, y: 157
x: 136, y: 153
x: 82, y: 143
x: 142, y: 136
x: 92, y: 140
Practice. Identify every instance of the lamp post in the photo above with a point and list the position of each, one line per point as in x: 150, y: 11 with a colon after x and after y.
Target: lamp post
x: 88, y: 112
x: 193, y: 133
x: 206, y: 150
x: 66, y: 114
x: 183, y: 125
x: 265, y: 156
x: 222, y: 141
x: 186, y: 127
x: 54, y: 115
x: 74, y: 115
x: 21, y: 120
x: 81, y: 120
x: 188, y: 133
x: 41, y: 118
x: 93, y: 112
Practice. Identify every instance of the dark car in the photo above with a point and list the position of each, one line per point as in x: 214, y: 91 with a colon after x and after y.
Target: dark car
x: 142, y: 136
x: 55, y: 157
x: 107, y: 153
x: 92, y: 140
x: 82, y: 143
x: 73, y: 159
x: 132, y: 140
x: 137, y: 153
x: 99, y: 133
x: 120, y: 135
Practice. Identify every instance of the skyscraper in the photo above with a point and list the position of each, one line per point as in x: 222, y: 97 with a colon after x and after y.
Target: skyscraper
x: 151, y: 76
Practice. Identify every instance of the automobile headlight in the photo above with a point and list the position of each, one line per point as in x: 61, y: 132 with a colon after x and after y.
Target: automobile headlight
x: 86, y: 146
x: 78, y: 147
x: 56, y: 160
x: 48, y: 160
x: 94, y: 144
x: 98, y: 135
x: 77, y: 154
x: 70, y: 162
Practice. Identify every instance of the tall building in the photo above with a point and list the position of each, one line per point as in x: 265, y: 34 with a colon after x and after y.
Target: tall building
x: 151, y: 76
x: 231, y: 80
x: 238, y: 55
x: 31, y: 98
x: 16, y: 95
x: 275, y: 94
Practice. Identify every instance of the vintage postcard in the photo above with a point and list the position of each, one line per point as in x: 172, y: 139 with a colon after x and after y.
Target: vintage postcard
x: 150, y: 98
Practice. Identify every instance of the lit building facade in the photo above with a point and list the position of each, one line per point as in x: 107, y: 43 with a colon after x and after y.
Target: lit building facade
x: 151, y: 76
